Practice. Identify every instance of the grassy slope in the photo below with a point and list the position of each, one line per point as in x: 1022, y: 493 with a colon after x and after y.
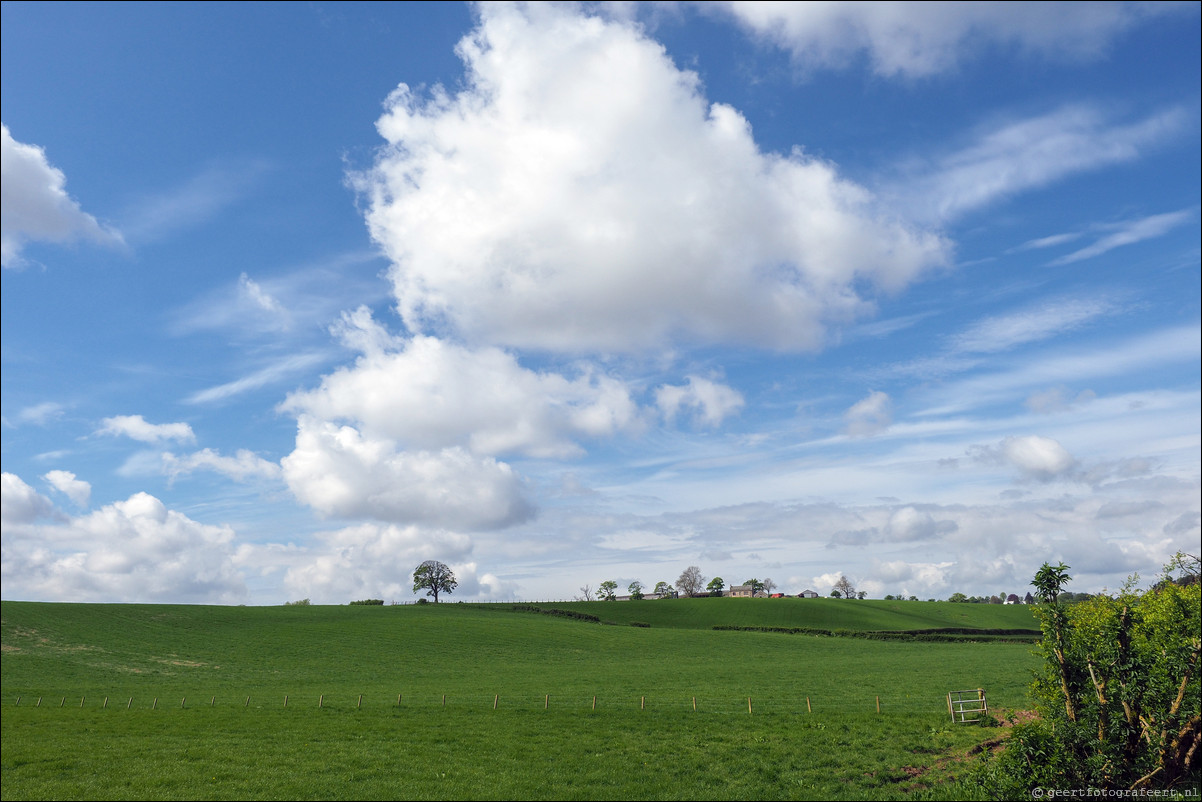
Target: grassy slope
x: 474, y: 653
x: 474, y: 650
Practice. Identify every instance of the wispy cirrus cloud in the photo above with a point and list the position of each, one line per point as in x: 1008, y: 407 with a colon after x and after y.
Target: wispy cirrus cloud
x: 282, y: 369
x: 1020, y: 155
x: 920, y: 39
x: 999, y: 333
x: 1129, y: 233
x: 193, y: 202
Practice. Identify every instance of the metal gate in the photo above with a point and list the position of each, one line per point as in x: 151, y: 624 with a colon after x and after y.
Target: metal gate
x: 962, y: 704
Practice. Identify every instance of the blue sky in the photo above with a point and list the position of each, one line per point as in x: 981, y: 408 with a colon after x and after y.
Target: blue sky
x: 297, y: 296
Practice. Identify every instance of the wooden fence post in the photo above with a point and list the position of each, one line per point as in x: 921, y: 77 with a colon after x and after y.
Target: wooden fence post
x: 749, y: 705
x: 285, y: 700
x: 247, y: 702
x: 213, y: 701
x: 547, y: 702
x: 321, y: 700
x: 642, y: 702
x: 594, y: 702
x: 81, y: 700
x: 18, y: 701
x: 398, y: 700
x: 878, y: 705
x: 63, y: 702
x: 155, y: 706
x: 360, y: 705
x: 494, y: 701
x: 694, y: 704
x: 808, y: 710
x: 130, y: 703
x: 39, y: 704
x: 106, y: 703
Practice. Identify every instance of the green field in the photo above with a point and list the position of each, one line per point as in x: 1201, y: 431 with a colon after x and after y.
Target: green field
x: 463, y: 701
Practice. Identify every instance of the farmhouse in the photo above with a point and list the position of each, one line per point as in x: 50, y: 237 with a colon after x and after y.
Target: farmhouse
x: 807, y: 594
x: 742, y: 591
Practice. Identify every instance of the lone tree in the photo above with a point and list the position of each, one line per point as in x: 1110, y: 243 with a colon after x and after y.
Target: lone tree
x: 606, y: 591
x: 636, y: 590
x: 691, y: 581
x: 434, y: 578
x: 663, y: 590
x: 845, y: 588
x: 716, y: 586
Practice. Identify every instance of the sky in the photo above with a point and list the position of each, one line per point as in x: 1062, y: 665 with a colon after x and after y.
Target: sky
x: 299, y: 295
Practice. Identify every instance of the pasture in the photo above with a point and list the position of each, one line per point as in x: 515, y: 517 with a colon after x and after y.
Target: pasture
x: 463, y: 701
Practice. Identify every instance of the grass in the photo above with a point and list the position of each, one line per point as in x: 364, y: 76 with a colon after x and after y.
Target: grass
x: 543, y: 740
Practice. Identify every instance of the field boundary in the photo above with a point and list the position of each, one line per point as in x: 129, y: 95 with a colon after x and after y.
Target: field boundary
x: 940, y: 634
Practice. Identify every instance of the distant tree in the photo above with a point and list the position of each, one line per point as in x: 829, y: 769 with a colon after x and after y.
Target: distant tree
x: 836, y: 594
x: 586, y: 593
x: 913, y: 598
x: 768, y: 585
x: 845, y: 588
x: 636, y: 590
x: 691, y: 581
x: 716, y: 586
x: 1050, y: 580
x: 861, y: 594
x: 664, y: 590
x: 994, y: 600
x: 1013, y: 599
x: 1028, y: 599
x: 297, y: 603
x: 755, y: 584
x: 889, y: 597
x: 434, y: 578
x: 607, y: 590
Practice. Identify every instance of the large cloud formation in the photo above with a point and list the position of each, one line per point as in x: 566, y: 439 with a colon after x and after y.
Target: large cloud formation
x: 135, y: 550
x: 580, y: 193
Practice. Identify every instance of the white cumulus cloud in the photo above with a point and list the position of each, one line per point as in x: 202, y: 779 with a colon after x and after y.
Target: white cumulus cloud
x: 243, y: 465
x: 581, y: 193
x: 138, y: 428
x: 136, y: 550
x: 36, y: 205
x: 66, y: 483
x: 710, y: 401
x: 427, y: 393
x: 340, y: 472
x: 869, y: 415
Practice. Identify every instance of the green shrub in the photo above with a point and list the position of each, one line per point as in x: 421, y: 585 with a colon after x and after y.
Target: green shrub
x: 1118, y: 694
x: 369, y: 601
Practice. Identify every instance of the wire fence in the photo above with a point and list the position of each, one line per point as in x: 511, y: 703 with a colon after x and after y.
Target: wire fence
x: 765, y: 704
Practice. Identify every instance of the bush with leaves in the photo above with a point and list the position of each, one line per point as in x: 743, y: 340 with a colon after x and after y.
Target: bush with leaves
x: 1118, y: 696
